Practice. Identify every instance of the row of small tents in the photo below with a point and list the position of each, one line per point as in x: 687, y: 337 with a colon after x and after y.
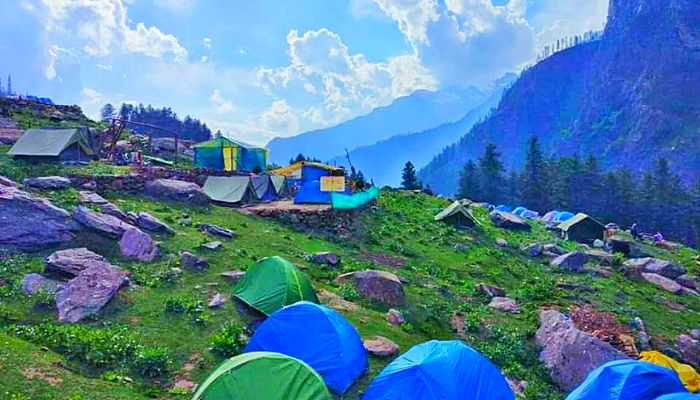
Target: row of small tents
x: 305, y: 351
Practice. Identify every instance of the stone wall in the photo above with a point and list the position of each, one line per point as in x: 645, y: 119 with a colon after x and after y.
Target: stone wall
x: 327, y: 222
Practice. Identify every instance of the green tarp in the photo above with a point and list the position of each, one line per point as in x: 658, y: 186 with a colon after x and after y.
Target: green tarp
x: 49, y: 142
x: 229, y: 189
x: 263, y: 376
x: 273, y: 283
x: 457, y: 214
x: 342, y: 201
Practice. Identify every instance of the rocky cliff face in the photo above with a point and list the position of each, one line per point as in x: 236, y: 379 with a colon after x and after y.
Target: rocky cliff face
x: 628, y: 98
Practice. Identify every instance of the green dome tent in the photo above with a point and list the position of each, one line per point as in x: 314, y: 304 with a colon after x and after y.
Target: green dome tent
x: 263, y: 376
x: 273, y: 283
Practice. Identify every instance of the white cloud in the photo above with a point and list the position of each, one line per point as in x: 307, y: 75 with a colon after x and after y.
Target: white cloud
x: 91, y: 101
x: 412, y: 16
x: 206, y: 42
x: 203, y: 59
x: 176, y: 6
x: 222, y: 105
x: 280, y: 118
x: 152, y: 42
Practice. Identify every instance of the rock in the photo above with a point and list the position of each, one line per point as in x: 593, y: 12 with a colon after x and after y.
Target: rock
x: 568, y: 353
x: 673, y: 305
x: 9, y: 133
x: 600, y: 256
x: 376, y: 285
x: 48, y: 182
x: 598, y: 244
x: 628, y: 247
x: 570, y: 262
x: 8, y: 182
x: 72, y: 261
x: 192, y: 262
x: 217, y: 301
x: 215, y: 230
x: 216, y: 245
x: 89, y: 292
x: 554, y: 249
x: 518, y: 387
x: 695, y: 333
x: 327, y: 258
x: 651, y: 265
x: 184, y: 384
x: 688, y: 281
x: 138, y: 245
x: 106, y: 225
x: 178, y: 191
x: 457, y: 322
x: 185, y: 221
x: 88, y: 197
x: 664, y: 283
x: 233, y: 276
x: 490, y: 291
x: 111, y: 209
x: 504, y: 304
x: 533, y: 250
x: 501, y: 243
x: 336, y: 302
x: 689, y: 349
x: 395, y: 317
x: 30, y: 223
x: 642, y: 335
x: 150, y: 223
x: 380, y: 346
x: 509, y: 221
x: 460, y: 248
x: 35, y: 283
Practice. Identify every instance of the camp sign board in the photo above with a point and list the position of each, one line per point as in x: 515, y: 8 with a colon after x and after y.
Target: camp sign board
x: 332, y: 183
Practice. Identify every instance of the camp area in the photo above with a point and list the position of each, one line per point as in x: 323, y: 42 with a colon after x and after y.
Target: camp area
x: 312, y: 182
x: 54, y: 145
x: 225, y: 154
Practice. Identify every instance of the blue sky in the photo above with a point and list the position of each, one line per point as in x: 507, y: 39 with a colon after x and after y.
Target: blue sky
x: 265, y: 68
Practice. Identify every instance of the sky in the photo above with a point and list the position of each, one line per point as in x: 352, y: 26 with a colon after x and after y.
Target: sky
x: 265, y: 68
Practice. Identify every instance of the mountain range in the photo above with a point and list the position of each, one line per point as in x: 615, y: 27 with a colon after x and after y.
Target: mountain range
x: 628, y: 98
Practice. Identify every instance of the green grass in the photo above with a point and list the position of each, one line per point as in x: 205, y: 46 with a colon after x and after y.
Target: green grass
x: 440, y: 282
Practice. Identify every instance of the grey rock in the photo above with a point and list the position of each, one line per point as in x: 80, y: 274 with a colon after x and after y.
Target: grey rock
x: 233, y: 276
x: 48, y: 182
x: 106, y: 225
x: 176, y: 191
x: 689, y: 349
x: 688, y: 281
x: 460, y: 248
x: 217, y: 301
x: 664, y: 268
x: 570, y: 262
x: 554, y: 249
x: 568, y: 353
x: 664, y: 283
x: 30, y: 223
x: 216, y: 230
x: 509, y: 221
x: 150, y: 223
x: 600, y: 256
x: 629, y: 248
x: 138, y: 245
x: 500, y: 242
x: 327, y: 258
x: 88, y: 197
x: 72, y: 261
x: 192, y: 262
x: 504, y: 304
x: 89, y: 292
x: 395, y: 317
x: 216, y: 245
x: 490, y: 290
x: 35, y: 283
x: 695, y: 333
x: 380, y: 346
x: 381, y: 286
x: 4, y: 181
x: 112, y: 209
x: 533, y: 250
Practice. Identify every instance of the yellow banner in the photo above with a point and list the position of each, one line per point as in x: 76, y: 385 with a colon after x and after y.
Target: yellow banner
x: 332, y: 183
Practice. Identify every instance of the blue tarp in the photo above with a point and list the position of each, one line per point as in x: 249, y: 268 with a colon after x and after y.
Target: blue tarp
x: 519, y: 210
x: 563, y: 216
x: 680, y: 396
x: 310, y: 193
x: 313, y: 173
x: 504, y: 208
x: 317, y: 335
x: 627, y: 380
x: 440, y: 370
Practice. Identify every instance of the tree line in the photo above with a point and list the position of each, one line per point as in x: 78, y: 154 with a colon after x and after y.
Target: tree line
x: 656, y: 201
x: 188, y: 128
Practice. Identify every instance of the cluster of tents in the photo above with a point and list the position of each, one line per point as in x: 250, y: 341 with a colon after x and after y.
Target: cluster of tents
x: 309, y: 350
x: 245, y: 189
x: 579, y: 227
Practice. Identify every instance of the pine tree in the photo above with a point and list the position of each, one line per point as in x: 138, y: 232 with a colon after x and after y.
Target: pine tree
x: 409, y: 180
x: 107, y: 112
x: 491, y: 175
x: 9, y: 85
x: 469, y: 182
x: 511, y: 194
x: 533, y: 189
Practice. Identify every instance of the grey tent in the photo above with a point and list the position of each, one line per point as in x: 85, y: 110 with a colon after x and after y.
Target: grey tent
x: 53, y: 145
x: 229, y: 190
x: 458, y: 215
x: 582, y: 228
x: 263, y: 188
x: 280, y: 185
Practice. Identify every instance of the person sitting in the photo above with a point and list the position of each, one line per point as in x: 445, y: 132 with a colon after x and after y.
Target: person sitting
x: 658, y: 238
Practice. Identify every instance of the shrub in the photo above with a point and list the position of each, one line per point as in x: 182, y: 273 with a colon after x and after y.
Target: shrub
x: 44, y: 298
x: 229, y: 341
x: 175, y: 306
x: 152, y: 362
x: 192, y: 307
x: 348, y: 291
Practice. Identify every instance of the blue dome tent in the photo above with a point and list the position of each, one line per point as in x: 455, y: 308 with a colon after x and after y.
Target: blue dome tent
x: 529, y: 214
x: 317, y: 335
x: 627, y: 380
x: 563, y: 216
x: 550, y: 216
x: 440, y: 370
x: 679, y: 396
x: 519, y: 210
x: 504, y: 208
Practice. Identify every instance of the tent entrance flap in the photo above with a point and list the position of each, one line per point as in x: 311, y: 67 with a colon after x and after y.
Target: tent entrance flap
x: 229, y: 159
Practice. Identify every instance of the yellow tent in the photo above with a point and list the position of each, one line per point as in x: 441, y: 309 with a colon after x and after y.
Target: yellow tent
x: 686, y: 373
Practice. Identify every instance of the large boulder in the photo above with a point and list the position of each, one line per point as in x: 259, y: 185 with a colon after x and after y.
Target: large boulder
x: 30, y: 223
x: 193, y: 262
x: 504, y: 304
x: 651, y: 265
x: 553, y: 249
x: 89, y: 292
x: 533, y: 250
x: 600, y: 256
x: 47, y: 182
x: 35, y: 283
x: 106, y: 225
x: 628, y: 247
x: 9, y: 132
x: 689, y: 349
x: 72, y: 261
x: 509, y: 221
x: 376, y: 285
x: 664, y: 283
x: 150, y: 223
x: 688, y: 281
x: 326, y: 257
x: 5, y: 181
x: 88, y: 197
x: 570, y: 262
x: 568, y: 353
x: 138, y: 245
x: 179, y: 191
x: 380, y: 346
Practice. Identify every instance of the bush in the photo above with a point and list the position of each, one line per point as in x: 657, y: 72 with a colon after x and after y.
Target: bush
x: 348, y: 291
x: 192, y: 307
x: 152, y: 362
x: 44, y: 299
x: 229, y: 341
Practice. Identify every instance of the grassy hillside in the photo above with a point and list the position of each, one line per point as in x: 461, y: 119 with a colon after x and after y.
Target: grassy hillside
x: 439, y: 281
